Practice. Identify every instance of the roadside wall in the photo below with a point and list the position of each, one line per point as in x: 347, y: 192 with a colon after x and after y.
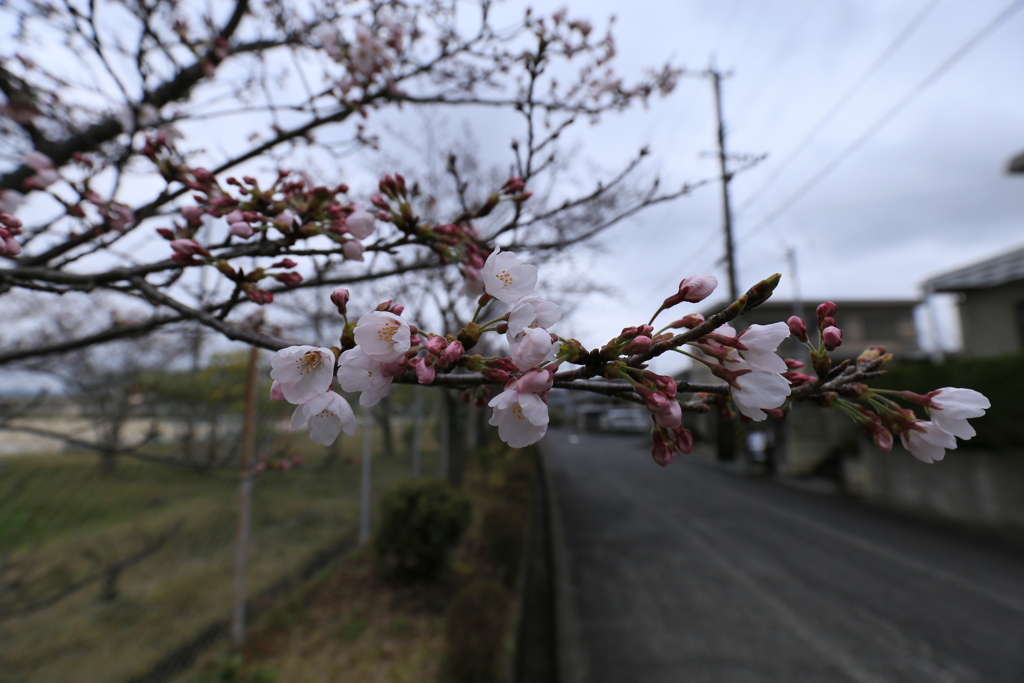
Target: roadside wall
x: 968, y: 485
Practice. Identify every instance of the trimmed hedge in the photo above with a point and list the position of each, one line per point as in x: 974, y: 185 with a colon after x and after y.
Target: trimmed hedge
x: 1000, y: 379
x: 421, y: 522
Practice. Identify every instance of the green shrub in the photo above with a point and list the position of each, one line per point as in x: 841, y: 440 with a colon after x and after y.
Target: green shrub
x: 421, y: 521
x: 999, y: 379
x: 474, y: 632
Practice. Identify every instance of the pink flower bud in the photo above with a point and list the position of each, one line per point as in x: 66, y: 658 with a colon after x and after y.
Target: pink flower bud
x: 203, y: 176
x: 693, y: 290
x: 188, y: 247
x: 535, y: 381
x: 339, y: 298
x: 797, y: 328
x: 394, y: 368
x: 435, y: 345
x: 284, y: 263
x: 397, y: 309
x: 825, y: 310
x: 360, y: 224
x: 194, y: 213
x: 664, y: 384
x: 832, y: 337
x: 689, y: 322
x: 670, y: 417
x: 235, y: 216
x: 684, y: 440
x: 241, y: 229
x: 640, y: 344
x: 10, y: 246
x: 353, y: 250
x: 424, y: 373
x: 453, y: 353
x: 797, y: 379
x: 289, y: 279
x: 495, y: 375
x: 285, y: 220
x: 661, y: 451
x: 276, y: 392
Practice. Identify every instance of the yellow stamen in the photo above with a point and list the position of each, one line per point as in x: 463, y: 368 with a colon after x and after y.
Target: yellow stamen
x: 308, y: 362
x: 387, y: 332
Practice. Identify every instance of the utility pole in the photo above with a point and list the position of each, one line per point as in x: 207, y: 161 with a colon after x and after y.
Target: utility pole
x: 728, y: 431
x: 245, y: 501
x: 723, y: 162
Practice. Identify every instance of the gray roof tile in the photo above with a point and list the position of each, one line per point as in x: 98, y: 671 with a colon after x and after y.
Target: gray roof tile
x: 1008, y: 267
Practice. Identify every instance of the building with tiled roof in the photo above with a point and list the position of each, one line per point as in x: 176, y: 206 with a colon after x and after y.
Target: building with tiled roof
x: 991, y: 302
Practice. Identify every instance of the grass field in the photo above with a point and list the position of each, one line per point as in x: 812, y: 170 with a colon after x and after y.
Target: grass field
x: 351, y: 624
x: 61, y: 521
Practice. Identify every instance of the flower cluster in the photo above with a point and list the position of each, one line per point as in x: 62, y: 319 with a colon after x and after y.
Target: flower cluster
x: 303, y: 375
x: 749, y: 363
x: 875, y: 410
x: 381, y: 346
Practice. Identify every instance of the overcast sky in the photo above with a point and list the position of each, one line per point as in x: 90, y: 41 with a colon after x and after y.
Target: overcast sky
x: 925, y: 193
x: 908, y: 188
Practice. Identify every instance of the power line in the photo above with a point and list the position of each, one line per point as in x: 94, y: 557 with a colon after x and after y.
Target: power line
x: 807, y: 10
x: 889, y: 51
x: 845, y: 154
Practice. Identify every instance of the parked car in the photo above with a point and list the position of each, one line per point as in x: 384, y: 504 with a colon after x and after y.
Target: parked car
x: 625, y: 420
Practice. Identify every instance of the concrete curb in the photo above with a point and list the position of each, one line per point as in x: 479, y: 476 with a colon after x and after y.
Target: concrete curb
x: 572, y: 658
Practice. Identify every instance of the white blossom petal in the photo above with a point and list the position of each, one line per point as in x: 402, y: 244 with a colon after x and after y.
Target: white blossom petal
x: 532, y: 311
x: 303, y: 371
x: 532, y: 347
x: 327, y: 416
x: 953, y: 406
x: 382, y: 336
x: 930, y: 444
x: 506, y: 277
x: 761, y: 342
x: 521, y: 419
x: 759, y: 390
x: 359, y: 372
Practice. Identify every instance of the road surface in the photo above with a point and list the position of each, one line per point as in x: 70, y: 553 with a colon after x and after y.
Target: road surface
x: 694, y: 573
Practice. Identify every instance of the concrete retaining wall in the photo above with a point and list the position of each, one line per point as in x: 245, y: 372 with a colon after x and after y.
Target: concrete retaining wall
x: 968, y: 485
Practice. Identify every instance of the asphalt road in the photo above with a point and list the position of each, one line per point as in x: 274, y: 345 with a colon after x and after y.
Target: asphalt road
x: 696, y: 573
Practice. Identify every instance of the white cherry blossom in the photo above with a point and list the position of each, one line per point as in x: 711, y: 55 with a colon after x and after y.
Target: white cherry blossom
x: 952, y: 406
x: 359, y: 372
x: 761, y: 342
x: 303, y: 371
x: 928, y: 444
x: 506, y: 278
x: 521, y: 418
x: 758, y: 390
x: 382, y: 336
x: 327, y: 416
x: 533, y: 347
x: 531, y: 311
